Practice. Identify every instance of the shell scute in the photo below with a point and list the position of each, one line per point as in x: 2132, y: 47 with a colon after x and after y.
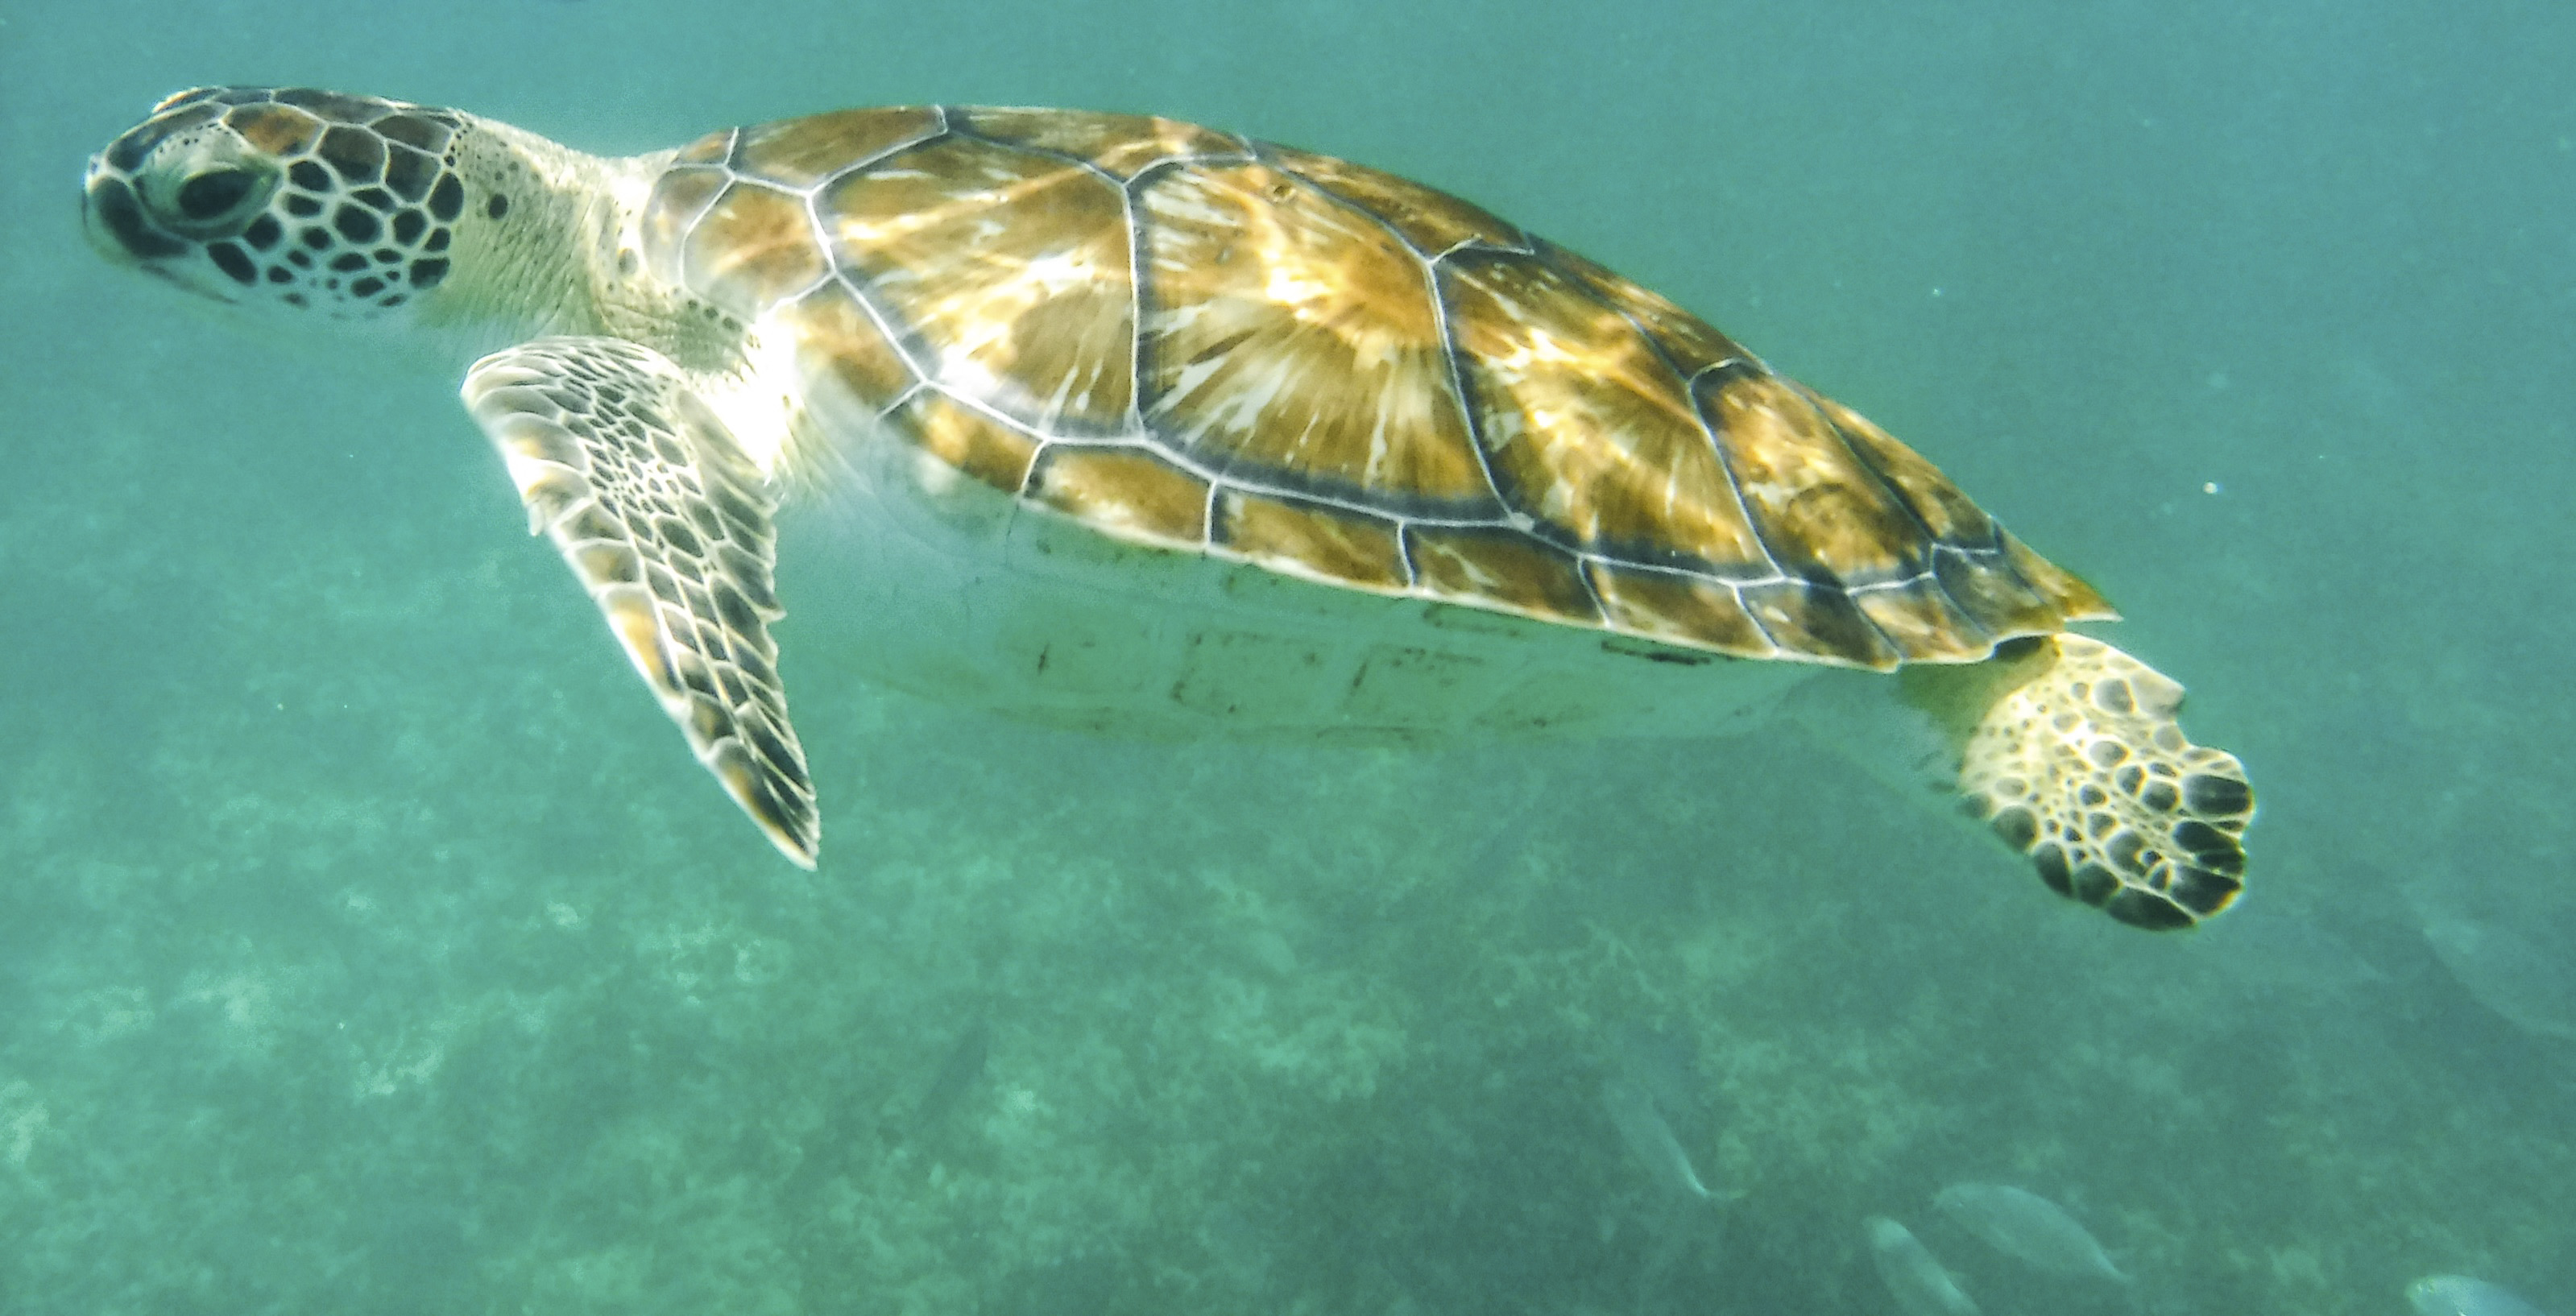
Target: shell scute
x: 847, y: 365
x: 796, y: 154
x: 1922, y: 621
x: 1430, y: 221
x: 1013, y: 268
x: 2064, y: 592
x: 1987, y: 588
x: 1690, y: 343
x: 713, y: 149
x: 1588, y: 430
x: 1944, y: 512
x: 1498, y: 565
x: 1317, y: 540
x: 1296, y: 342
x: 752, y: 247
x: 1186, y: 340
x: 1821, y: 512
x: 1678, y: 607
x: 680, y: 197
x: 968, y: 440
x: 1818, y: 620
x: 1119, y: 145
x: 1130, y: 491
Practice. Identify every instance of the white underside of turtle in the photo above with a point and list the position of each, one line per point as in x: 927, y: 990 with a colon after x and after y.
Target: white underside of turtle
x: 1122, y: 425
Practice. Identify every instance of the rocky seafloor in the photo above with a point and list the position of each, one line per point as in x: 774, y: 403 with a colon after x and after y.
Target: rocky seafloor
x: 387, y: 954
x: 371, y: 944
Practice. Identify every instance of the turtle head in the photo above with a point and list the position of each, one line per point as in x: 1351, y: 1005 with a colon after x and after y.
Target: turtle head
x: 342, y: 205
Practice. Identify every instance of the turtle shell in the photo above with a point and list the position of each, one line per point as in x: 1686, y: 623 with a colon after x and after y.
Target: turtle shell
x: 1194, y: 340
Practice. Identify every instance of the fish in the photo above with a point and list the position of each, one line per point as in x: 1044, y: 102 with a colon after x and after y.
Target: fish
x: 1642, y: 1127
x: 1921, y: 1286
x: 2026, y: 1226
x: 2458, y: 1295
x: 965, y: 1064
x: 1665, y: 1062
x: 2507, y: 972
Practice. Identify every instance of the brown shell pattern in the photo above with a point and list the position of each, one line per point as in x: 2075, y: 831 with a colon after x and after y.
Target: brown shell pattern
x: 1197, y: 341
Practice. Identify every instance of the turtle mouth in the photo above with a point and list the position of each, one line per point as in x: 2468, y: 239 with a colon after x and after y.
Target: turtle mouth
x: 113, y: 218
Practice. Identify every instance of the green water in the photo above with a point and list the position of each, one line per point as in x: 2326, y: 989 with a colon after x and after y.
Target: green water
x: 368, y: 942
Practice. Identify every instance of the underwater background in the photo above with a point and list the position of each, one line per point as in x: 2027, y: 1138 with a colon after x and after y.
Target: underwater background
x: 368, y: 941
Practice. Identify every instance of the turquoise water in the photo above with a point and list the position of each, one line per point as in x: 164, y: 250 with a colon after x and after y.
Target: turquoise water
x: 368, y: 943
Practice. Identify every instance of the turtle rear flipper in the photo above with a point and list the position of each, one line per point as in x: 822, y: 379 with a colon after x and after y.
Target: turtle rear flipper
x: 2079, y: 763
x: 654, y: 508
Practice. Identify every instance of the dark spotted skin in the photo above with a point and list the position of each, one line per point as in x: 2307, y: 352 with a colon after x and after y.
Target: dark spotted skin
x: 345, y: 204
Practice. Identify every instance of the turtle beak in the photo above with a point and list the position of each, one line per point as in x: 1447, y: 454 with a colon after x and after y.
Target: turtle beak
x: 113, y: 219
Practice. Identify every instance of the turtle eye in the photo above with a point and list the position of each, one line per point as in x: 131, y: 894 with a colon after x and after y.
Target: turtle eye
x: 206, y: 199
x: 215, y: 193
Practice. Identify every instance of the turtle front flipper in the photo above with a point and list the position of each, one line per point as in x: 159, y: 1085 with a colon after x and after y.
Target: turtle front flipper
x: 668, y: 526
x: 2077, y: 761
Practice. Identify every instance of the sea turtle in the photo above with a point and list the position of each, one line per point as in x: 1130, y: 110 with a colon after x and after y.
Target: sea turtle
x: 1121, y: 423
